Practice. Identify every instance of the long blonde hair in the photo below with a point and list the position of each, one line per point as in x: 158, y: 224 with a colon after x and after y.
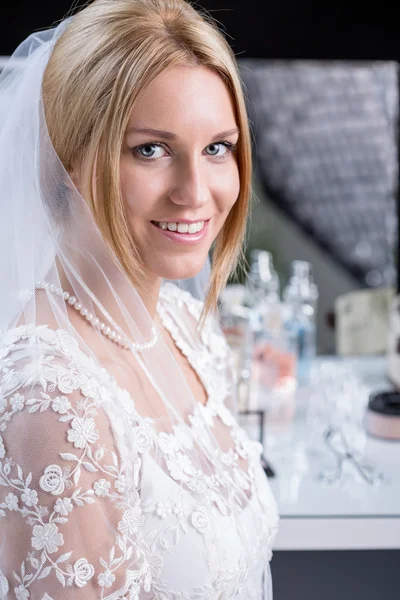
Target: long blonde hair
x: 108, y: 55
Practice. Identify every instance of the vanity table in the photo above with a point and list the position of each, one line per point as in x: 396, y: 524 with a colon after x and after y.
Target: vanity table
x: 340, y: 516
x: 337, y: 540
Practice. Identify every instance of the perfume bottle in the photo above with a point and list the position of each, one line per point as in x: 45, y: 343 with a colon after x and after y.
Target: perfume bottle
x: 273, y: 369
x: 300, y: 298
x: 263, y: 287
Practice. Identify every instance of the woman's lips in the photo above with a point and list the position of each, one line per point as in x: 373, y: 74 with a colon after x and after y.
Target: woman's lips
x: 183, y: 238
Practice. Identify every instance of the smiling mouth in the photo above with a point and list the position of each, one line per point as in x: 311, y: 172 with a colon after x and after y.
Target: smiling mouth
x: 178, y: 227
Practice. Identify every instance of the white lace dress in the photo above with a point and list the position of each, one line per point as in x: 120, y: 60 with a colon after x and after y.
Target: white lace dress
x: 86, y: 513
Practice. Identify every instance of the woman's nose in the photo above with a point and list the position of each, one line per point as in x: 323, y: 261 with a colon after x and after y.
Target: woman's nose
x: 191, y: 185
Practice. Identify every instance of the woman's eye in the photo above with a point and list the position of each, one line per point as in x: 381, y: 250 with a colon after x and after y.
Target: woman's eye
x: 150, y: 151
x: 219, y: 149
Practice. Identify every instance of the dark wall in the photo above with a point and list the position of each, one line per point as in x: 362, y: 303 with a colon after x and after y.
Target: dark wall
x: 336, y: 575
x: 257, y: 28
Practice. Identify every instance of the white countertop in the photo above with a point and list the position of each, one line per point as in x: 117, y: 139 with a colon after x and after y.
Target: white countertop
x: 350, y: 513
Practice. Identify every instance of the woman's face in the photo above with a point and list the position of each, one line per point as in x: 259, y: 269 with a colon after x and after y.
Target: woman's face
x: 179, y: 174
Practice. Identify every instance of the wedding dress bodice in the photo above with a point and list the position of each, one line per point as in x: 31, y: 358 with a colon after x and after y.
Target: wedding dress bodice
x: 85, y: 510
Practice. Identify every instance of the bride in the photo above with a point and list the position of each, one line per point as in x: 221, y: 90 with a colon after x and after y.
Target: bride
x: 124, y: 160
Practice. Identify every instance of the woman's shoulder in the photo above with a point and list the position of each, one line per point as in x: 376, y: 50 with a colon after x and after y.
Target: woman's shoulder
x: 20, y: 344
x: 43, y: 362
x: 32, y: 338
x: 52, y: 392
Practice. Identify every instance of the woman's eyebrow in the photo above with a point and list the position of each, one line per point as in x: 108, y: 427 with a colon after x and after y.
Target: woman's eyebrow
x: 168, y: 135
x: 226, y: 133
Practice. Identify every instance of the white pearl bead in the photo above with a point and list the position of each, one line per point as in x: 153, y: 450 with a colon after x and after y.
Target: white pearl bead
x: 89, y: 316
x: 53, y: 288
x: 83, y: 312
x: 71, y: 300
x: 96, y: 322
x: 77, y: 306
x: 107, y: 330
x: 65, y: 295
x: 102, y: 326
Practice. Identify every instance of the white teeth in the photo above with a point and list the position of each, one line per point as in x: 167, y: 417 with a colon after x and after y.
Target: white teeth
x: 181, y: 227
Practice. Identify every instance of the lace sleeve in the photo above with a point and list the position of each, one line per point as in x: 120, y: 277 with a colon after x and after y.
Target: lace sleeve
x: 70, y: 513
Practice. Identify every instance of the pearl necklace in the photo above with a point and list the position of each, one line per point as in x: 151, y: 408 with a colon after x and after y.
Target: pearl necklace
x: 111, y: 334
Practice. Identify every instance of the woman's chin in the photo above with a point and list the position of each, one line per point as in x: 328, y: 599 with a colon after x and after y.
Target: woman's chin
x: 183, y: 271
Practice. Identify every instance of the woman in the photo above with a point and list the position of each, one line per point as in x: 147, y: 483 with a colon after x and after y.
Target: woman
x: 124, y: 158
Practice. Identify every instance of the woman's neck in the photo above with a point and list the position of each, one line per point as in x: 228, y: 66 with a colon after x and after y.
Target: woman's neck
x: 150, y: 295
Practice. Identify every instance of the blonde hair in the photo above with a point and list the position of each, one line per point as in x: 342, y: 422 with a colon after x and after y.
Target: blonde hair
x: 107, y: 56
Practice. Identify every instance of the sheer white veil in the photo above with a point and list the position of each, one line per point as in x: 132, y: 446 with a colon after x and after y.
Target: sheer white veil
x: 50, y: 244
x: 46, y: 226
